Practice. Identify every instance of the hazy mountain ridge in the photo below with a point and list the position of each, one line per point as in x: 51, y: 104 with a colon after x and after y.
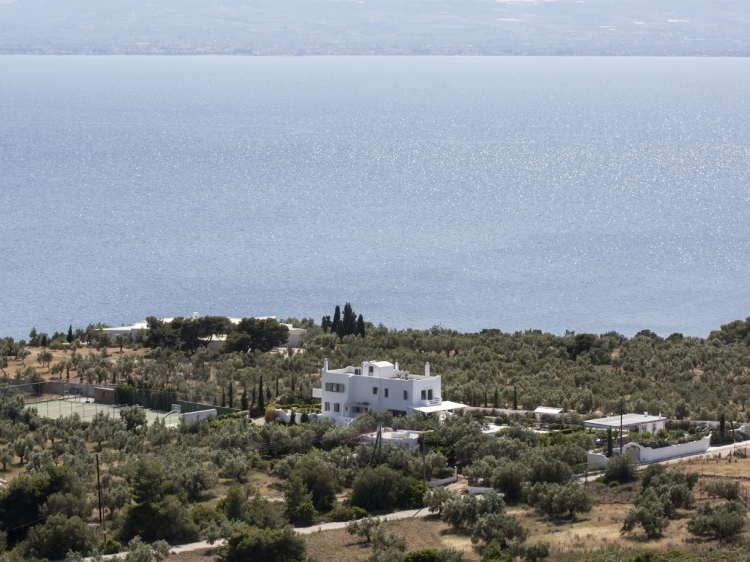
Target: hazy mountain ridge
x: 307, y: 27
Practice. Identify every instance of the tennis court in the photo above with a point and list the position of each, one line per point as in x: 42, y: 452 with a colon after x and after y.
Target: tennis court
x: 87, y: 410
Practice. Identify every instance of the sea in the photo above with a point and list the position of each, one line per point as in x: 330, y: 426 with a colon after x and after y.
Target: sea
x: 581, y: 194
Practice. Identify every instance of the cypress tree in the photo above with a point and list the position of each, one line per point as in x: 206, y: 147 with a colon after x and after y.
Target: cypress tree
x: 350, y: 322
x: 495, y: 399
x: 336, y: 320
x: 515, y: 398
x: 243, y: 400
x: 70, y: 334
x: 223, y: 398
x: 277, y: 385
x: 261, y: 403
x: 231, y: 395
x: 360, y: 326
x: 340, y: 330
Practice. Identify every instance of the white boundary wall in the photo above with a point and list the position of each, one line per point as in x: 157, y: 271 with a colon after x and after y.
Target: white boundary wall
x: 647, y: 455
x: 444, y: 481
x: 199, y: 415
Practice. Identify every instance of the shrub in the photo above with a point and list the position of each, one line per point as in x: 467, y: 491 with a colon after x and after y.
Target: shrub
x: 559, y: 501
x: 424, y: 555
x: 346, y: 513
x: 649, y: 514
x: 365, y: 528
x: 384, y: 488
x: 110, y: 546
x: 621, y: 468
x: 724, y: 521
x: 269, y: 545
x: 727, y: 489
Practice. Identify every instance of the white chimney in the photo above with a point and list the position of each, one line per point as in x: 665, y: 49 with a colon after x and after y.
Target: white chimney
x: 325, y: 364
x: 645, y: 413
x: 427, y: 369
x: 396, y: 366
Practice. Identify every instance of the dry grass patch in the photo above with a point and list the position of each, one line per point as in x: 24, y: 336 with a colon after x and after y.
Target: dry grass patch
x: 340, y: 546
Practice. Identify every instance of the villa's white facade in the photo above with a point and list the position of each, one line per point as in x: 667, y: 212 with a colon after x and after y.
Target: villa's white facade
x: 378, y: 385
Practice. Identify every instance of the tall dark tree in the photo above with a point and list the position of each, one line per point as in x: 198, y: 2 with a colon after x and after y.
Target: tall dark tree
x: 340, y: 332
x: 336, y: 319
x: 325, y: 323
x: 243, y: 400
x: 231, y: 395
x: 515, y: 398
x: 350, y: 320
x: 261, y: 403
x: 360, y: 326
x: 70, y: 334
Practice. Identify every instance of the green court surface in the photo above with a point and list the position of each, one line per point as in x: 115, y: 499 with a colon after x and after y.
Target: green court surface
x: 87, y: 410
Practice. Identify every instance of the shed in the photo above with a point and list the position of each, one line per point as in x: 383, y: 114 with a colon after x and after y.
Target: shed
x: 630, y: 422
x: 104, y: 395
x: 547, y: 411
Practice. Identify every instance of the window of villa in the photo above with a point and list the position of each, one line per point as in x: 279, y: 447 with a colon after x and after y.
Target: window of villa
x: 327, y: 406
x: 429, y: 394
x: 424, y: 395
x: 374, y: 389
x: 386, y: 393
x: 406, y: 395
x: 336, y: 407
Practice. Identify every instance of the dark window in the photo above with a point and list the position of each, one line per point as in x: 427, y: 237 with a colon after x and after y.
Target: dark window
x: 372, y: 369
x: 335, y: 407
x: 429, y: 394
x: 328, y: 406
x: 406, y: 395
x: 424, y: 395
x: 374, y: 389
x: 386, y: 393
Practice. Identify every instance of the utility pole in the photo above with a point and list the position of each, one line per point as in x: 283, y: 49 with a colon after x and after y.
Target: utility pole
x: 424, y: 466
x: 99, y: 488
x: 620, y: 425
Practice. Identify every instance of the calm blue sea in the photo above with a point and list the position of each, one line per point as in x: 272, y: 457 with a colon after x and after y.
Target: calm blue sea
x: 589, y: 194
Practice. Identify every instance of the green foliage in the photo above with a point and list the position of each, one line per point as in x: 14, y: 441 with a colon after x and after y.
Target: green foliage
x: 365, y: 528
x: 435, y: 498
x: 726, y: 489
x: 383, y: 488
x: 253, y: 334
x: 320, y: 480
x: 649, y: 514
x: 721, y: 522
x: 134, y: 417
x: 58, y: 535
x: 622, y: 468
x: 22, y: 501
x: 158, y: 512
x: 346, y: 513
x: 110, y: 546
x: 557, y: 500
x: 299, y: 502
x: 267, y: 545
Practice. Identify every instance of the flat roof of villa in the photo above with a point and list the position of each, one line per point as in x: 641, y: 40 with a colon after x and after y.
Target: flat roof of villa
x: 442, y: 407
x: 627, y: 420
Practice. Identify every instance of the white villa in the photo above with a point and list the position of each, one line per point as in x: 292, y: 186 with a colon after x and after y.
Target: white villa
x: 215, y: 345
x: 629, y: 422
x: 381, y: 386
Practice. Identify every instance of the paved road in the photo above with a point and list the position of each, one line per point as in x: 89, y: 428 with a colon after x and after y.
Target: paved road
x: 408, y: 514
